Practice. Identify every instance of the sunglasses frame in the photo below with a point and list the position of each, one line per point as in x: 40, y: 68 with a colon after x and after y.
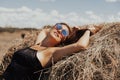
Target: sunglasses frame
x: 57, y: 27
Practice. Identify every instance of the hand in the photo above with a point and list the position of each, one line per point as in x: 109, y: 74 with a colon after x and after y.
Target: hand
x: 76, y: 28
x: 93, y: 29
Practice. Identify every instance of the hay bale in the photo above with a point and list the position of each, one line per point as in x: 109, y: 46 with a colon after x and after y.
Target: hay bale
x: 101, y: 61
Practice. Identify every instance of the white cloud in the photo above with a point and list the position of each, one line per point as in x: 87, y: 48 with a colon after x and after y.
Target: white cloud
x: 22, y: 9
x: 112, y: 0
x: 114, y: 18
x: 26, y: 17
x: 119, y: 13
x: 89, y: 12
x: 94, y: 17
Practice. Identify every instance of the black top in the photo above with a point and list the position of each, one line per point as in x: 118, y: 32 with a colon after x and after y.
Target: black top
x: 23, y: 66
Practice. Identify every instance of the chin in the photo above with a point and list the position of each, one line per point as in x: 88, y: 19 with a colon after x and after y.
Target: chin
x: 55, y: 37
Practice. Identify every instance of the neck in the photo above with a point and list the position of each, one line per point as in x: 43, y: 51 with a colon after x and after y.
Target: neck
x: 48, y: 42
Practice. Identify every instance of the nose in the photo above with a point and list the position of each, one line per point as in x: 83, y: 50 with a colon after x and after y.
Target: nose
x: 58, y: 31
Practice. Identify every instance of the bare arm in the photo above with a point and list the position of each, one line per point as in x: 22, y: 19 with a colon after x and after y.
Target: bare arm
x: 72, y: 48
x: 57, y: 53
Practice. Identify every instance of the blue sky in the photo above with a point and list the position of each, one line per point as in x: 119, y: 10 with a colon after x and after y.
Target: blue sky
x: 37, y: 13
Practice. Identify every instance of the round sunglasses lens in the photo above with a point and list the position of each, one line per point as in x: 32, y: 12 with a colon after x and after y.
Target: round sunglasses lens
x: 58, y: 26
x: 64, y: 33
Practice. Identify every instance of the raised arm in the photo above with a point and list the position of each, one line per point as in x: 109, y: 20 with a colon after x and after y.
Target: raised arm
x: 55, y: 54
x: 81, y: 44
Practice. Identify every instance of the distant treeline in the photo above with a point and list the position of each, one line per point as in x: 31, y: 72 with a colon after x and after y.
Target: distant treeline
x: 11, y: 30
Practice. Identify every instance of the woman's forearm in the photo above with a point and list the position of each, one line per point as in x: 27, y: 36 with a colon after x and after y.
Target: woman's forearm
x: 84, y: 40
x: 68, y: 50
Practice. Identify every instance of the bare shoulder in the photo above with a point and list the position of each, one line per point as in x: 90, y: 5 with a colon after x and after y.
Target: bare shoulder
x: 44, y: 56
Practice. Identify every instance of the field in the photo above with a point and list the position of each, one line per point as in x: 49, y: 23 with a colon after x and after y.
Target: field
x: 10, y: 37
x: 7, y: 40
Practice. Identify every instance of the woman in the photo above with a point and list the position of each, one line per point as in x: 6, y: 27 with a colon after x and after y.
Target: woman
x: 27, y: 61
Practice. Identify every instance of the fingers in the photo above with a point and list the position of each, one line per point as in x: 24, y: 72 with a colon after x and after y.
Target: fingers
x: 76, y: 27
x: 91, y: 28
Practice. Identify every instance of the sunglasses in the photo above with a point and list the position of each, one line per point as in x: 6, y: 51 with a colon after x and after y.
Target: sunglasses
x: 64, y: 32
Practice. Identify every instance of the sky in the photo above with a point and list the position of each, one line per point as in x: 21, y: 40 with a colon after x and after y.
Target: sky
x: 38, y: 13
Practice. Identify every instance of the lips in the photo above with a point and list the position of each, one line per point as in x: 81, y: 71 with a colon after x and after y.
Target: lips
x: 57, y: 34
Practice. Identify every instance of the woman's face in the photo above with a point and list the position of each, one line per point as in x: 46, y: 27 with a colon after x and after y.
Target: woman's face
x: 59, y: 32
